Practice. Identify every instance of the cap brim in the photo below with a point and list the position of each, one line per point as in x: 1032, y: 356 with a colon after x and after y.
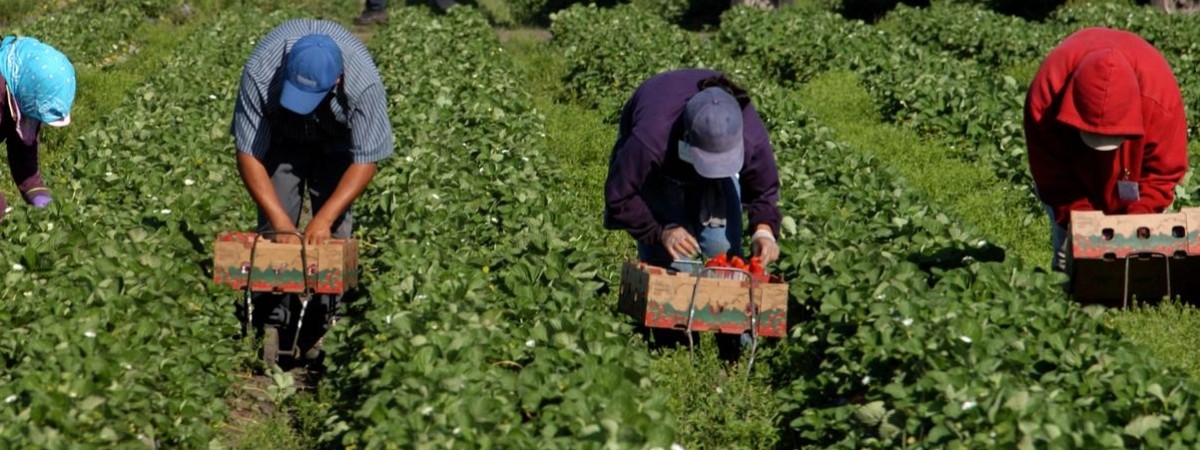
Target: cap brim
x: 719, y: 165
x: 298, y: 100
x: 1101, y: 142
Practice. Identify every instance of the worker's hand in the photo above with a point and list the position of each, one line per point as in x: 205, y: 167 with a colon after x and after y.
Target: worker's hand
x: 285, y: 236
x: 317, y: 231
x: 763, y: 246
x: 679, y: 243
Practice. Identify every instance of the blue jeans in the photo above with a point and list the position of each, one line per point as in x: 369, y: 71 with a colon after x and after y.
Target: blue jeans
x: 711, y: 212
x: 1058, y: 241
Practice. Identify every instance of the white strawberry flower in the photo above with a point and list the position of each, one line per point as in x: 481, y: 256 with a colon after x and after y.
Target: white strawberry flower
x: 10, y: 399
x: 907, y: 321
x: 165, y: 212
x: 968, y: 405
x: 188, y: 181
x: 965, y: 339
x: 89, y: 334
x: 18, y: 267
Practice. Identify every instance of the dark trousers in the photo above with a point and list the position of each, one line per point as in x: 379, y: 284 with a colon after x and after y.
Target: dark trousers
x: 296, y: 169
x: 380, y: 5
x: 376, y: 5
x: 23, y: 165
x: 712, y: 213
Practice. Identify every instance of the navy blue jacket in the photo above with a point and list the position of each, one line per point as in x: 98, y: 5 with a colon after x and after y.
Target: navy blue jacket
x: 647, y: 147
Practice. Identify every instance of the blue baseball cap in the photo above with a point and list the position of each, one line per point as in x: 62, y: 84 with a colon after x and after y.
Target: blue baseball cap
x: 712, y: 120
x: 313, y: 68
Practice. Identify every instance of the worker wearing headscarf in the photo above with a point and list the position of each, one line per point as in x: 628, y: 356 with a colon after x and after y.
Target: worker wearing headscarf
x: 1106, y: 130
x: 37, y: 86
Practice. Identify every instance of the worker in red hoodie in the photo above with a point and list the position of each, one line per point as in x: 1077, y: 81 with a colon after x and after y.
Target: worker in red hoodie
x: 1106, y: 131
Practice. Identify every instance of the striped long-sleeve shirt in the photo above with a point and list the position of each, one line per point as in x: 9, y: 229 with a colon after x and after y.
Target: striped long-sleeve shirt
x: 354, y: 118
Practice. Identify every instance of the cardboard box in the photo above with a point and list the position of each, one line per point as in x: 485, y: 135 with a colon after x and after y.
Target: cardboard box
x: 332, y: 267
x: 1114, y: 259
x: 658, y: 298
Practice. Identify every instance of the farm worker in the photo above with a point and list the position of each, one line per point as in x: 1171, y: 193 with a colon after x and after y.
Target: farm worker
x: 691, y: 154
x: 311, y: 116
x: 375, y: 11
x: 1106, y: 131
x: 38, y: 85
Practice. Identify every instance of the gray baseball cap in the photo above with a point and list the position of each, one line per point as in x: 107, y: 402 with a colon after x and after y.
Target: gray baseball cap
x: 712, y: 123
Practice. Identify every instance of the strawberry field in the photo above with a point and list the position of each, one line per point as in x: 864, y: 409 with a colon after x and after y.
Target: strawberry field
x: 922, y: 312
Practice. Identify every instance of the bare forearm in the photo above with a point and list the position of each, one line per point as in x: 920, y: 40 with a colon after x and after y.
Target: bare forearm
x: 352, y: 185
x: 258, y: 183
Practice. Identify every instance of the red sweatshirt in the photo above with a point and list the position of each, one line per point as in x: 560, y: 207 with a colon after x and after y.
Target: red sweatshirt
x: 1106, y: 82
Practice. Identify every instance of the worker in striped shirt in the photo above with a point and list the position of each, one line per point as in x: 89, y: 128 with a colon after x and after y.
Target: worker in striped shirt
x: 311, y: 116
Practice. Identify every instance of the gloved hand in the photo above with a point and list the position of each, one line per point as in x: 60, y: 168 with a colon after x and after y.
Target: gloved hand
x: 679, y: 243
x: 763, y: 246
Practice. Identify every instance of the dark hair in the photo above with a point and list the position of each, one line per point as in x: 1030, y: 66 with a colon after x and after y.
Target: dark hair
x: 742, y: 96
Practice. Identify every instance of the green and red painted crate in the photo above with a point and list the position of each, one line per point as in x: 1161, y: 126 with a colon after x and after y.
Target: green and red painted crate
x: 1114, y: 259
x: 332, y: 267
x: 659, y: 298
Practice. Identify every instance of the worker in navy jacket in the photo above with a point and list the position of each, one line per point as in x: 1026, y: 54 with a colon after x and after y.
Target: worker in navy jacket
x: 691, y: 154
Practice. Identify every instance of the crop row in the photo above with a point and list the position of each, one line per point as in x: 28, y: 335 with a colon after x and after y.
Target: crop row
x: 915, y: 335
x: 952, y: 71
x: 112, y: 330
x: 483, y: 324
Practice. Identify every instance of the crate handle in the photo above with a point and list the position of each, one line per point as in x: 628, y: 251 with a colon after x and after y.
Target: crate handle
x: 249, y: 293
x: 1144, y: 255
x: 752, y: 308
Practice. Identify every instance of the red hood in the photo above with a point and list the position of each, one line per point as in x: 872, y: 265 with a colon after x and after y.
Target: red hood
x: 1102, y: 96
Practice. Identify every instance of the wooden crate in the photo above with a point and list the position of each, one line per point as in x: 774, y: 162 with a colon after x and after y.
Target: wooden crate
x: 332, y: 267
x: 658, y: 298
x: 1116, y: 258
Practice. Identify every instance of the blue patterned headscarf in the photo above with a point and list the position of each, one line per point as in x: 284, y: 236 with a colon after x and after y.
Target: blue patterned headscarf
x: 39, y: 77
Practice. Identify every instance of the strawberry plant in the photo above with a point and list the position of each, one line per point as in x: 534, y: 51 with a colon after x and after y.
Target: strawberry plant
x: 483, y: 327
x: 114, y: 334
x: 610, y: 51
x: 486, y: 317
